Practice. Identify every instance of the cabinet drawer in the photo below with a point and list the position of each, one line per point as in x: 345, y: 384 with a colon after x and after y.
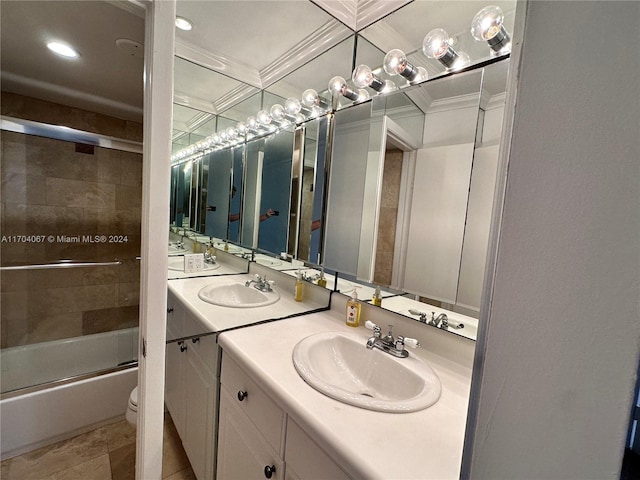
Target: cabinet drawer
x: 206, y: 348
x: 175, y: 318
x: 268, y: 418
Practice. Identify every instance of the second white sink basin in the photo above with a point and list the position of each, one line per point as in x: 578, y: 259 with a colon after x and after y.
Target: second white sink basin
x: 237, y: 295
x: 340, y: 366
x: 177, y: 264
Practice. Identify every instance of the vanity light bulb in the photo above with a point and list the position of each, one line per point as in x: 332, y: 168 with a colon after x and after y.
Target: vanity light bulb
x: 231, y: 132
x: 396, y: 63
x: 252, y: 123
x: 241, y: 127
x: 362, y: 76
x: 263, y: 117
x: 488, y: 26
x: 310, y: 98
x: 223, y: 136
x: 277, y: 112
x: 292, y: 106
x: 215, y: 138
x: 337, y: 84
x: 436, y: 43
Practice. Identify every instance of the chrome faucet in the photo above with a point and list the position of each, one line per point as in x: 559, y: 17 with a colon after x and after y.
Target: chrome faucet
x: 209, y: 258
x: 261, y: 283
x: 387, y: 343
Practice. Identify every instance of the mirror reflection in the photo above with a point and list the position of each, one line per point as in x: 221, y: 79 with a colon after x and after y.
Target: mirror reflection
x: 419, y: 177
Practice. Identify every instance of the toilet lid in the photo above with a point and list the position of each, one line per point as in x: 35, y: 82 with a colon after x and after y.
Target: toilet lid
x: 133, y: 398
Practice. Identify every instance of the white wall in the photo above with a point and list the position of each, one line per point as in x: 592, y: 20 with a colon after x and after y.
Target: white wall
x: 558, y: 342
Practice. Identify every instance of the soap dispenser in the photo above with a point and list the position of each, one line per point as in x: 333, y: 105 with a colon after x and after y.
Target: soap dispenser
x: 353, y: 310
x: 377, y: 297
x: 299, y: 288
x: 322, y: 281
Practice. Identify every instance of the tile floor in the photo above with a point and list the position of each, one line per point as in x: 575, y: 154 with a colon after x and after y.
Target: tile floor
x: 106, y: 453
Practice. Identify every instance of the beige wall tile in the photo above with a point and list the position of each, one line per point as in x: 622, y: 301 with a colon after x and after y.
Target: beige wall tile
x: 44, y: 328
x: 21, y: 188
x: 75, y: 193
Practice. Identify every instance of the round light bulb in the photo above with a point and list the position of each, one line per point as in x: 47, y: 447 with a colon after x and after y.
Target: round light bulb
x: 362, y: 95
x: 292, y: 106
x: 487, y: 23
x: 277, y: 112
x: 252, y: 123
x: 362, y: 76
x: 242, y: 128
x: 299, y: 118
x: 310, y: 98
x: 263, y: 117
x: 436, y: 43
x: 394, y: 62
x: 223, y: 136
x: 232, y: 132
x: 337, y: 84
x: 216, y: 138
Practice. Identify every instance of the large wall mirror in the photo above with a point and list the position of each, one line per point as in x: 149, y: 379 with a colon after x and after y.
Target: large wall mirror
x: 392, y: 189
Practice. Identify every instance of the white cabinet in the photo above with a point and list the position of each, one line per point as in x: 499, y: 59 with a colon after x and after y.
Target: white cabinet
x: 252, y: 433
x: 191, y: 387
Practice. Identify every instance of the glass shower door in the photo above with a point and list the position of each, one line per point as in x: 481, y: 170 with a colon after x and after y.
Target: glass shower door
x: 69, y: 255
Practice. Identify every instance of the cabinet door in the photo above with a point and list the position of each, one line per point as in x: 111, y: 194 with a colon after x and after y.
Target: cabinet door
x: 304, y: 456
x: 174, y: 397
x: 243, y: 453
x: 200, y: 403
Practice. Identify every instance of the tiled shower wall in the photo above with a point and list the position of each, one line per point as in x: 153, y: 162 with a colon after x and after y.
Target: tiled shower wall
x: 63, y: 193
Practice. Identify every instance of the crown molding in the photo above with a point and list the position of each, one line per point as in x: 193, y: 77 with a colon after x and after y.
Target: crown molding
x: 187, y: 100
x: 453, y: 103
x: 343, y: 10
x: 218, y: 63
x: 370, y: 11
x: 235, y: 96
x: 420, y: 97
x: 496, y: 101
x: 310, y: 47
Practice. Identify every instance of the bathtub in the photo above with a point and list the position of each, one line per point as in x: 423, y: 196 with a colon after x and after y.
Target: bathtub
x: 60, y: 411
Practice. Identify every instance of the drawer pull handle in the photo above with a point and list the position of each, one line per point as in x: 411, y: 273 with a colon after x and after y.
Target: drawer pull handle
x: 195, y: 340
x: 183, y: 347
x: 269, y: 470
x: 170, y: 310
x: 241, y: 396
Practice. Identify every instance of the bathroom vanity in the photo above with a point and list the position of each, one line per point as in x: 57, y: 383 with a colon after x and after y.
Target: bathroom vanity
x: 273, y: 423
x: 192, y: 352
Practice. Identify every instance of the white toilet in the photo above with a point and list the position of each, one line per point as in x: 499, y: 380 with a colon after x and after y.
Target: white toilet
x: 132, y: 407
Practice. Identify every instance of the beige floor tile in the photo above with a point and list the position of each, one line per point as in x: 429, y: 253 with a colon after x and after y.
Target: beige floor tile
x: 186, y: 474
x: 174, y: 458
x: 46, y: 461
x: 96, y: 469
x: 123, y: 463
x: 119, y: 434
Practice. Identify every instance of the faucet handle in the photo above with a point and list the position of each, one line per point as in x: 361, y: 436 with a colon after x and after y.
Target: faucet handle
x: 372, y: 326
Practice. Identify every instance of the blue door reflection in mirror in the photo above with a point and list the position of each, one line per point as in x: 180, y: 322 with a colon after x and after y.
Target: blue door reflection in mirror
x: 276, y: 192
x: 218, y: 193
x: 235, y: 195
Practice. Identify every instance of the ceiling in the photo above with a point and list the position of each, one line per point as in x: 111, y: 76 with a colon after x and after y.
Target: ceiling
x: 236, y: 49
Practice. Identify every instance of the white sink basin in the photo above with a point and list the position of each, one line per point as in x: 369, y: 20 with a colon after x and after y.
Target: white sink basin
x: 341, y: 367
x: 236, y: 295
x: 177, y: 264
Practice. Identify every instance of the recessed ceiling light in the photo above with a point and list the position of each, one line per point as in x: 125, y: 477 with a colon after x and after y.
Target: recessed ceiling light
x: 183, y: 24
x: 63, y: 50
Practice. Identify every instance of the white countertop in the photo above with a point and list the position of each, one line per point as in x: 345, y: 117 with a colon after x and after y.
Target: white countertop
x: 215, y: 318
x: 366, y: 444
